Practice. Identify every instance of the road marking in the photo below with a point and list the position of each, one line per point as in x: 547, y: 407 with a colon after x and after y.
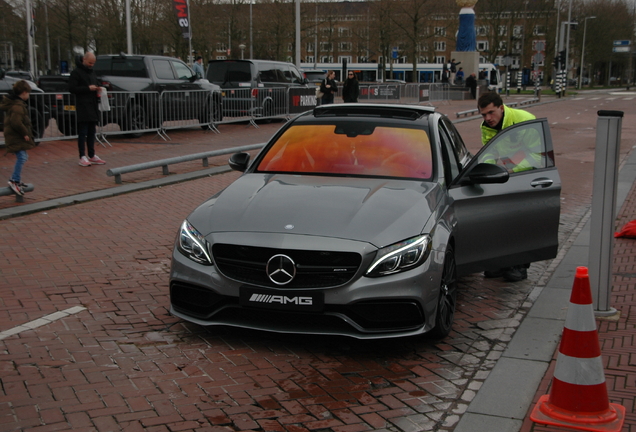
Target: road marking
x: 48, y: 319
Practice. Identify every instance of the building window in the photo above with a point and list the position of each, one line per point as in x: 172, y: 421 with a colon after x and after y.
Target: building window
x: 326, y: 59
x: 517, y: 31
x: 439, y: 46
x: 440, y: 59
x: 221, y: 47
x: 309, y: 47
x: 342, y: 58
x: 309, y: 59
x: 344, y: 32
x: 290, y: 47
x: 440, y: 31
x: 482, y: 30
x: 482, y: 45
x: 539, y: 30
x: 326, y: 47
x: 503, y: 30
x: 220, y: 57
x: 344, y: 46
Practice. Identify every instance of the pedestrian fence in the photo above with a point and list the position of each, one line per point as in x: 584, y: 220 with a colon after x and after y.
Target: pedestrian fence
x: 54, y: 115
x: 164, y: 163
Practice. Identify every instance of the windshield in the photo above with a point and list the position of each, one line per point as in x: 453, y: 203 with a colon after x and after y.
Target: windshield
x: 361, y: 149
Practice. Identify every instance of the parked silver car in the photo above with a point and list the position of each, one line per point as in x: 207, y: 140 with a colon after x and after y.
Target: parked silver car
x: 356, y: 220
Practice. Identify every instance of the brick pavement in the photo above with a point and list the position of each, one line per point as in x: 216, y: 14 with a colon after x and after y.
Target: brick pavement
x: 125, y: 364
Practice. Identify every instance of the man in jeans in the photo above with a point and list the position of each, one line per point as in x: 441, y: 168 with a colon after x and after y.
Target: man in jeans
x: 84, y: 85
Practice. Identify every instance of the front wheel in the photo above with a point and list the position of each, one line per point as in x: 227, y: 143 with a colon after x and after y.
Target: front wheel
x: 135, y: 120
x: 447, y: 297
x: 37, y: 123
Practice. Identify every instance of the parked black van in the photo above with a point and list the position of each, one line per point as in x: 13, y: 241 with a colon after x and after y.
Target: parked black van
x: 254, y: 87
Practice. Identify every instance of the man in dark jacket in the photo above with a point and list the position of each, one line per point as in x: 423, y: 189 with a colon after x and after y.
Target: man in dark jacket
x: 471, y: 83
x: 84, y: 85
x: 329, y: 88
x: 351, y: 88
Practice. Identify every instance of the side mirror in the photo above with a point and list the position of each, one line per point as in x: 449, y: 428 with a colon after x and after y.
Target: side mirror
x: 484, y: 173
x: 239, y: 161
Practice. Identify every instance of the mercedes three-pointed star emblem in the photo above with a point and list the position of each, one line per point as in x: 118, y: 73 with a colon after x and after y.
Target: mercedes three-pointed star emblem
x: 281, y: 269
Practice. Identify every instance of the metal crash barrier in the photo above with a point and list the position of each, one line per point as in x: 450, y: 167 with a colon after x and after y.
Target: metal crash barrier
x: 54, y: 115
x: 164, y: 163
x: 182, y: 109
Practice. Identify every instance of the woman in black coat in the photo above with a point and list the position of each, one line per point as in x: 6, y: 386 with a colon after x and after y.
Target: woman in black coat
x: 351, y: 88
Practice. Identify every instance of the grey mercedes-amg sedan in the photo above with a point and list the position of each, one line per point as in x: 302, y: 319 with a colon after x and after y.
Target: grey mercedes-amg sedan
x: 356, y: 220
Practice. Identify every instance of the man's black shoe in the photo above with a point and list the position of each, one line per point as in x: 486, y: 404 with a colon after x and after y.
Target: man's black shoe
x: 489, y: 274
x: 515, y: 274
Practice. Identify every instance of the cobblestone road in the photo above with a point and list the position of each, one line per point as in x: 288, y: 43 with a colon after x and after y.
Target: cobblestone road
x: 116, y: 360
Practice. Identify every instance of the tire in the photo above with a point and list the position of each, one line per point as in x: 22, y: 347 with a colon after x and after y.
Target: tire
x: 66, y: 125
x: 447, y: 297
x: 217, y: 113
x: 268, y: 111
x: 135, y: 120
x: 37, y: 123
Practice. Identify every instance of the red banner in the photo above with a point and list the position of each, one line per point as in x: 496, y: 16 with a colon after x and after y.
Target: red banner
x: 183, y: 17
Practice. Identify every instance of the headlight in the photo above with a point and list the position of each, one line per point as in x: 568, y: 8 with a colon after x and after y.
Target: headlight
x: 401, y: 256
x: 192, y: 244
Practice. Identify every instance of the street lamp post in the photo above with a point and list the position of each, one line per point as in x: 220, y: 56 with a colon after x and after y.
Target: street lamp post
x: 583, y: 50
x: 242, y: 48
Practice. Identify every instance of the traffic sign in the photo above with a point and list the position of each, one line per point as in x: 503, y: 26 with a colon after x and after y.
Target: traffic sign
x: 620, y: 49
x: 622, y: 42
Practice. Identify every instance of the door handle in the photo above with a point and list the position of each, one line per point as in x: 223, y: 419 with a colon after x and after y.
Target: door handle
x: 541, y: 182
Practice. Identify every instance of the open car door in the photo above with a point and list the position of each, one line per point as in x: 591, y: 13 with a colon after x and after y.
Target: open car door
x: 507, y: 201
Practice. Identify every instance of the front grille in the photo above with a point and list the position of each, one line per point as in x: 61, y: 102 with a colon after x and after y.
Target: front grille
x: 314, y: 269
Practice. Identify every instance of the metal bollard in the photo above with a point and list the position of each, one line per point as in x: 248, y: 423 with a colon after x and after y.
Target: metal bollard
x: 608, y: 139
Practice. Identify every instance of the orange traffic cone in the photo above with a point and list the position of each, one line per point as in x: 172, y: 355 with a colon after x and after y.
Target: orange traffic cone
x: 578, y: 397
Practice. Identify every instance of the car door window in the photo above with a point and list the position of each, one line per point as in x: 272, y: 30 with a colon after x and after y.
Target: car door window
x: 296, y: 76
x: 284, y: 75
x: 521, y: 147
x: 456, y: 139
x: 451, y: 163
x: 163, y: 69
x: 183, y: 71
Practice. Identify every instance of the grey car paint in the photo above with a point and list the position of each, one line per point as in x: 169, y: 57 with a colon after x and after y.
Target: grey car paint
x: 490, y: 224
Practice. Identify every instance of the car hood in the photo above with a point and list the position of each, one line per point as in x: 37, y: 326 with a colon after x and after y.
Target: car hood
x: 378, y: 211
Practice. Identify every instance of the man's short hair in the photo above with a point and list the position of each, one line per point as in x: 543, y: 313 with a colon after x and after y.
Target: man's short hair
x: 489, y: 98
x: 20, y: 87
x: 199, y: 58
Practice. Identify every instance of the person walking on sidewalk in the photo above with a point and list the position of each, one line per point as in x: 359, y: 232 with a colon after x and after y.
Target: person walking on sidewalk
x: 18, y: 133
x: 497, y: 117
x: 84, y: 85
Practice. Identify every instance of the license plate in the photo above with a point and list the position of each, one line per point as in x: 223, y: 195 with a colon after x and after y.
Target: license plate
x: 69, y: 107
x: 292, y: 300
